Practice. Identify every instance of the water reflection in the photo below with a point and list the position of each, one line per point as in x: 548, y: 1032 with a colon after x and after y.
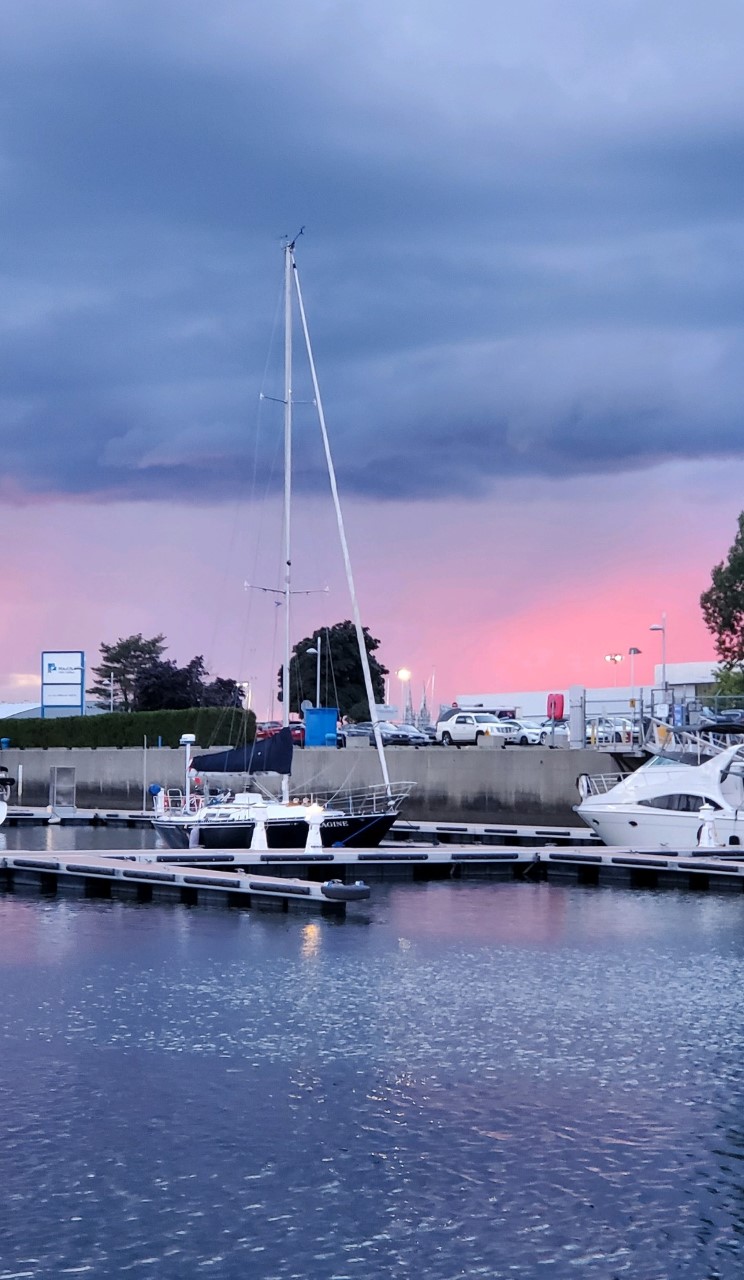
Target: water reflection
x: 484, y: 1079
x: 311, y: 940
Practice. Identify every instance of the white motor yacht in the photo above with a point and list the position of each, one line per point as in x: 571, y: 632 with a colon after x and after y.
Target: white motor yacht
x: 658, y: 806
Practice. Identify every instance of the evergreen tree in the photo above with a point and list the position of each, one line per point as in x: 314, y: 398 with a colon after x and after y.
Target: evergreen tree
x: 122, y: 664
x: 342, y: 677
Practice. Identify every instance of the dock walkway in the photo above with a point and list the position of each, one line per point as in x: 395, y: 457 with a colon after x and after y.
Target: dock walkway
x: 241, y: 874
x: 131, y: 875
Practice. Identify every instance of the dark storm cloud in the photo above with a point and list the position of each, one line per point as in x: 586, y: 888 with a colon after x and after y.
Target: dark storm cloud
x: 523, y: 253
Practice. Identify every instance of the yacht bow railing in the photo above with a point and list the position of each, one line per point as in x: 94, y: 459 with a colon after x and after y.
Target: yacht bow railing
x: 366, y: 800
x: 598, y: 784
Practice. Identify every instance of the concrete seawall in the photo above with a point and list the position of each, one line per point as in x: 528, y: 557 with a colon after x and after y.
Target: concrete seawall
x: 519, y: 784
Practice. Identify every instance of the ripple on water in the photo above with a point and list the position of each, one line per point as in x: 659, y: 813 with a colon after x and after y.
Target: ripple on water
x: 238, y: 1099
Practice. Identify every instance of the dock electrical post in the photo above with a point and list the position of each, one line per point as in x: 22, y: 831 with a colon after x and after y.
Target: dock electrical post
x: 187, y: 741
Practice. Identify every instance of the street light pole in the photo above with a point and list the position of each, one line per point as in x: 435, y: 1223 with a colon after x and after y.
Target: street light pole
x: 404, y: 676
x: 633, y: 653
x: 316, y: 650
x: 661, y: 626
x: 614, y: 658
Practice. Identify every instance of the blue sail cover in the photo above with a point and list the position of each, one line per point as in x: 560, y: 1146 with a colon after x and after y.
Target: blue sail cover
x: 268, y: 755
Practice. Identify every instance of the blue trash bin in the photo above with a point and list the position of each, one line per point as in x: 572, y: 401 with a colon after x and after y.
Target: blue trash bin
x: 4, y: 744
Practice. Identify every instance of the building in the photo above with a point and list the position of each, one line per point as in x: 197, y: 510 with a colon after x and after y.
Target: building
x: 684, y: 681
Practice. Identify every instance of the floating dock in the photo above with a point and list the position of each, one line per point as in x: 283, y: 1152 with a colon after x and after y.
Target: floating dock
x: 331, y: 877
x: 122, y: 874
x: 266, y: 871
x: 491, y: 833
x: 639, y: 868
x: 401, y: 831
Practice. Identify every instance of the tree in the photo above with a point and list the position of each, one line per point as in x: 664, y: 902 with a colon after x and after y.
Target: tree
x: 123, y: 662
x: 222, y: 692
x: 163, y: 686
x: 342, y: 677
x: 723, y: 606
x: 145, y: 681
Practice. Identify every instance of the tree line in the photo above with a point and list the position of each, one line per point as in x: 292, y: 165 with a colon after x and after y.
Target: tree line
x: 133, y: 675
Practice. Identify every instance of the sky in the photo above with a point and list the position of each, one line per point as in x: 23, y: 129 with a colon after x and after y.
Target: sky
x: 522, y: 266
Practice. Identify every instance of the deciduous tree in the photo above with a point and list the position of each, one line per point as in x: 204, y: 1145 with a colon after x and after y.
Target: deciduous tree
x: 140, y: 679
x: 723, y: 606
x: 342, y: 677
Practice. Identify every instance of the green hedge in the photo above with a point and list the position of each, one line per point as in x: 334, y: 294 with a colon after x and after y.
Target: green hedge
x: 212, y: 726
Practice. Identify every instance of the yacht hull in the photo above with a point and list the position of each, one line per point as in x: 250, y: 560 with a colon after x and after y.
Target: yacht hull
x: 364, y: 831
x: 628, y: 825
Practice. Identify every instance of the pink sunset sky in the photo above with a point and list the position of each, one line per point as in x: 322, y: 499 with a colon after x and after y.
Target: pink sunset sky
x: 525, y: 588
x: 523, y: 268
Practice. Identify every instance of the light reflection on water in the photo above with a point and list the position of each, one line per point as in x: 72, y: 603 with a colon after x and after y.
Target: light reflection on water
x: 457, y: 1080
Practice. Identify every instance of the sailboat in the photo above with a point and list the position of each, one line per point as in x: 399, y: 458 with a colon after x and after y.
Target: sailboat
x: 254, y: 818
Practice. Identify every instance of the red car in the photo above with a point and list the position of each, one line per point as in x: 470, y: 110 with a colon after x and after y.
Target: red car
x: 267, y: 729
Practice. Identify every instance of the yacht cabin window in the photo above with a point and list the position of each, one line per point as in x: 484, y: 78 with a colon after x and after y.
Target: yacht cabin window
x: 680, y: 803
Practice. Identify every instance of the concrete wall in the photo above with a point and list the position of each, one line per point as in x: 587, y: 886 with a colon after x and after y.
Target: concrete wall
x: 519, y: 784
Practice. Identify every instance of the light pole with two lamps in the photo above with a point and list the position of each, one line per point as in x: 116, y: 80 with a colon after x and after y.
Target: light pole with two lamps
x: 614, y: 658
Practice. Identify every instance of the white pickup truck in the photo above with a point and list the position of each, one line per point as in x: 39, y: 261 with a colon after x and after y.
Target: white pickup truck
x: 466, y: 727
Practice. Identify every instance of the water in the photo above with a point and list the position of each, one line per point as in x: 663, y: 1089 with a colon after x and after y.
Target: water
x: 458, y: 1080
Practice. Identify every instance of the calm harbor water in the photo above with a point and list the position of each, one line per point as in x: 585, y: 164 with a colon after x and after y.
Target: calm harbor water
x: 457, y: 1080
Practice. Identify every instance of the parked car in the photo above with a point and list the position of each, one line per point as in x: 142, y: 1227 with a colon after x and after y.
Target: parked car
x: 602, y: 730
x: 501, y: 713
x: 361, y: 730
x: 554, y: 732
x: 466, y: 727
x: 525, y: 733
x: 267, y: 729
x: 399, y: 735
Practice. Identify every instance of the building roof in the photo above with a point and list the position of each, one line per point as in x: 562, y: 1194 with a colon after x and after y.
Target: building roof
x: 19, y: 710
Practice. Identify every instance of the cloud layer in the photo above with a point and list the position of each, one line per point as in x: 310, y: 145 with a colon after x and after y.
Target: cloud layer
x: 523, y: 255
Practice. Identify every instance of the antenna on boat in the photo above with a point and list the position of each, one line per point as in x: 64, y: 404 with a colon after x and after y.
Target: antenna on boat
x: 291, y: 245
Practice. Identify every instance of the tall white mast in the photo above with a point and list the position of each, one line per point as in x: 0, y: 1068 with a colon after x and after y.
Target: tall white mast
x: 364, y: 656
x: 287, y: 542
